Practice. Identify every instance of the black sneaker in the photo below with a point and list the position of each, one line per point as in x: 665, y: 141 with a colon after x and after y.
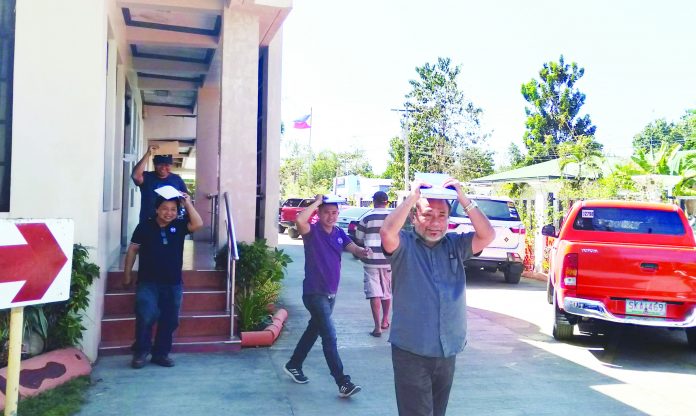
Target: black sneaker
x: 348, y: 389
x: 295, y: 374
x: 162, y: 360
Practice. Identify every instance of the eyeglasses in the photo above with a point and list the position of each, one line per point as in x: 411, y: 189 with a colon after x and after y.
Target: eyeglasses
x: 163, y: 234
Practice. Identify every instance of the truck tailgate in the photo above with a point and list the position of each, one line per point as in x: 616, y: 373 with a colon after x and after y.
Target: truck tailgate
x: 616, y: 273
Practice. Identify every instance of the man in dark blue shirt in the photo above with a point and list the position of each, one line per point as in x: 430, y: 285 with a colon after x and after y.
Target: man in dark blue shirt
x: 148, y: 182
x: 160, y: 243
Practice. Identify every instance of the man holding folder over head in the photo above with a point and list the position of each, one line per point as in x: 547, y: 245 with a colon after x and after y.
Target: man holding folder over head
x: 160, y: 243
x: 429, y: 293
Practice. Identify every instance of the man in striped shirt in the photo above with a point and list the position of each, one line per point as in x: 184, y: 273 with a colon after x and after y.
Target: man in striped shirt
x: 377, y: 268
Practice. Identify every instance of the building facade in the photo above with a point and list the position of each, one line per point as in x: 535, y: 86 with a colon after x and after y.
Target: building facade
x: 86, y: 85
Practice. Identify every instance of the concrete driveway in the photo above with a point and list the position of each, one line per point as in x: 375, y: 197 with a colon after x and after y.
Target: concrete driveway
x: 511, y: 366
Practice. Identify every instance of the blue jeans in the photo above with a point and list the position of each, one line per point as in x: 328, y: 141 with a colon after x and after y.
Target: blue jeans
x: 155, y: 302
x: 320, y: 324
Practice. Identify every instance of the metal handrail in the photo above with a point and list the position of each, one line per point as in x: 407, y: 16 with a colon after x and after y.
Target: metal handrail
x: 214, y: 209
x: 232, y: 257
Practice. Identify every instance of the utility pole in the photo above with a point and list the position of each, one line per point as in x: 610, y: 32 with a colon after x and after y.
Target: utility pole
x: 405, y: 123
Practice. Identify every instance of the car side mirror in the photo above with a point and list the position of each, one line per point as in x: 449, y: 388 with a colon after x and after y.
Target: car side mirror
x: 549, y: 230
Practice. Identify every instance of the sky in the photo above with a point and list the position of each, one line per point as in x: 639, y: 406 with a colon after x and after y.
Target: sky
x: 350, y: 63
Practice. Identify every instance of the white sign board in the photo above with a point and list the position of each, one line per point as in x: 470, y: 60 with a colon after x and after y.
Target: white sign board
x: 35, y: 261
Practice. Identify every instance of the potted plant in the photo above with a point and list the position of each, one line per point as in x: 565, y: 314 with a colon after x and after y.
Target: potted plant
x: 259, y: 273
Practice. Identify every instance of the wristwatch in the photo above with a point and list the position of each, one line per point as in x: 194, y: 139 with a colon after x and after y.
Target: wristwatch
x: 471, y: 206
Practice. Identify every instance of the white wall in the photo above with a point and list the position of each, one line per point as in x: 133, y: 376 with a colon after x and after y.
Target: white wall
x: 58, y: 118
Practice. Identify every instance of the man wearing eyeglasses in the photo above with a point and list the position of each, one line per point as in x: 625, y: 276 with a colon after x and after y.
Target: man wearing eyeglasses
x: 160, y: 243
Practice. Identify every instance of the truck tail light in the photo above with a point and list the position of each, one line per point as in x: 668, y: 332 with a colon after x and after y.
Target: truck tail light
x: 569, y: 273
x: 452, y: 225
x: 518, y: 230
x: 351, y: 227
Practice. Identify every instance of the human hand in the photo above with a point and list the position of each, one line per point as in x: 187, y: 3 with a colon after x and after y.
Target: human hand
x: 366, y: 252
x: 416, y: 186
x: 454, y: 184
x: 128, y: 281
x: 319, y: 198
x: 151, y: 149
x: 187, y: 199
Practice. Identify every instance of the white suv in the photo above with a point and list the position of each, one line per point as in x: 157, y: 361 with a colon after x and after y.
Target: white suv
x: 506, y: 253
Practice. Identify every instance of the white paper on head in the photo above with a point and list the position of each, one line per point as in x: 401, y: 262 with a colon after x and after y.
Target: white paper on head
x: 168, y: 192
x: 436, y: 191
x: 333, y: 199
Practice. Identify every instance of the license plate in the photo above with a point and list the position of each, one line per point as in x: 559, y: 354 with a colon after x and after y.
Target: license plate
x: 644, y: 307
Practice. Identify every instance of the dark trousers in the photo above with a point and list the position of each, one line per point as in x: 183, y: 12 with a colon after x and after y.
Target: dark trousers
x: 422, y: 383
x: 321, y: 325
x: 159, y: 303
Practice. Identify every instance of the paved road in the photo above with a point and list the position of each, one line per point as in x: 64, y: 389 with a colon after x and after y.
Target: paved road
x: 511, y: 366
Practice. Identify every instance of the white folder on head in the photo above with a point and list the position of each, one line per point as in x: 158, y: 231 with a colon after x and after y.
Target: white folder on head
x: 436, y: 190
x: 168, y: 192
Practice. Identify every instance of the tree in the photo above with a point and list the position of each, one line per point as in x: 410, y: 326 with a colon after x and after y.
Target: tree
x: 582, y: 153
x: 294, y: 181
x: 301, y: 178
x: 667, y: 160
x: 473, y: 163
x: 688, y: 124
x: 553, y: 115
x: 655, y: 134
x: 442, y: 127
x: 661, y: 131
x: 355, y: 163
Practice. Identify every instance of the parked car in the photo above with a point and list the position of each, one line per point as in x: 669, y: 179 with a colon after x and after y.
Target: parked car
x: 507, y: 251
x: 625, y: 262
x: 288, y: 214
x: 349, y: 214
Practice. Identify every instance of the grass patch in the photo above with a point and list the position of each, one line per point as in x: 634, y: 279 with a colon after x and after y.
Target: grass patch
x: 64, y: 400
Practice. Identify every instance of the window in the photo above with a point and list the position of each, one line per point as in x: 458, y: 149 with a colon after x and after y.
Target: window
x: 629, y: 220
x: 7, y: 29
x: 494, y: 210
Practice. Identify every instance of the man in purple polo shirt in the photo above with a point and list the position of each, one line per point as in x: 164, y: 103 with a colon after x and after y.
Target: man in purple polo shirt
x: 323, y: 245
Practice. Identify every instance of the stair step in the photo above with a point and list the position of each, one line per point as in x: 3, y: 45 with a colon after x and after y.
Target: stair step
x: 191, y: 324
x: 179, y: 344
x: 121, y: 302
x: 192, y: 279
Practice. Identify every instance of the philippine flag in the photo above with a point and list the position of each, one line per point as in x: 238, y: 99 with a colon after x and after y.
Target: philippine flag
x: 302, y: 122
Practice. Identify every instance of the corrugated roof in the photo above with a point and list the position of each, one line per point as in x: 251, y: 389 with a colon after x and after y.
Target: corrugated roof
x: 546, y: 171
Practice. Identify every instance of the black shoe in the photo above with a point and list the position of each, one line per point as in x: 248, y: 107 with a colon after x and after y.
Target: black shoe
x: 139, y: 360
x: 162, y: 360
x: 348, y: 389
x: 295, y: 374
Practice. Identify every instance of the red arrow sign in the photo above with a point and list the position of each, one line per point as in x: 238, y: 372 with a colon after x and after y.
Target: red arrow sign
x: 38, y: 262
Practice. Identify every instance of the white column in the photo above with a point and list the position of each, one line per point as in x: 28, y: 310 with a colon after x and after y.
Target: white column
x: 540, y: 217
x: 238, y: 112
x: 207, y: 154
x: 273, y: 90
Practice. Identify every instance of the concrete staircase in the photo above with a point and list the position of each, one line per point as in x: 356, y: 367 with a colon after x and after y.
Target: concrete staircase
x: 204, y: 325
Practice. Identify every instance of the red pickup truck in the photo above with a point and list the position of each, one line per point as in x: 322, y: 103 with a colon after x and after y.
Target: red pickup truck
x: 623, y: 262
x: 288, y: 214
